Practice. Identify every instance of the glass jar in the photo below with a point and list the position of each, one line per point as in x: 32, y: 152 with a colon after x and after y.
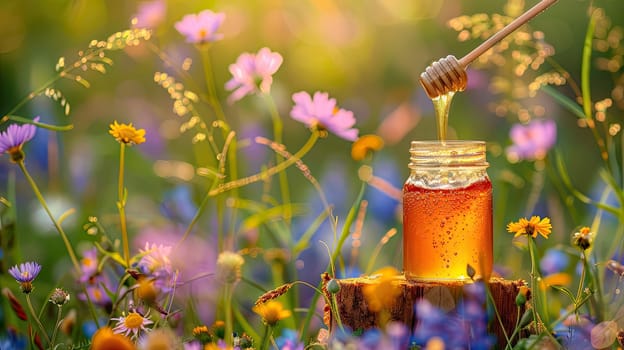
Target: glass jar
x: 447, y: 211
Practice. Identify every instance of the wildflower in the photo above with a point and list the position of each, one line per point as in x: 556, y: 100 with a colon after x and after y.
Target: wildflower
x: 583, y: 238
x: 229, y: 266
x: 106, y: 339
x: 97, y: 292
x: 24, y: 274
x: 289, y: 340
x: 253, y: 73
x: 156, y: 263
x: 381, y: 293
x: 246, y: 342
x: 530, y: 227
x: 14, y: 137
x: 320, y: 112
x: 531, y: 141
x: 271, y: 312
x: 59, y: 297
x: 202, y: 27
x: 160, y: 338
x: 365, y: 145
x: 133, y: 323
x: 146, y: 289
x: 218, y: 329
x: 88, y: 265
x: 149, y: 14
x: 127, y: 134
x: 202, y: 334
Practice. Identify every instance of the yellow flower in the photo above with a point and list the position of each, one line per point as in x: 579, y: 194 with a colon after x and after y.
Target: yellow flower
x: 365, y: 145
x: 271, y: 312
x: 105, y: 339
x: 555, y: 279
x: 127, y: 134
x: 382, y: 292
x: 530, y: 227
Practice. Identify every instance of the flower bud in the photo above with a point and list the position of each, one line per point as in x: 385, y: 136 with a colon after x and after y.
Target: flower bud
x: 59, y: 297
x: 333, y: 286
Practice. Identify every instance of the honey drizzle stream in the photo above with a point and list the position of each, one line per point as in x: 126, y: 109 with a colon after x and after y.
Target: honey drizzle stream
x: 442, y: 105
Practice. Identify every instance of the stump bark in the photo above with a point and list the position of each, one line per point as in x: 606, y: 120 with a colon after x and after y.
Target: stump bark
x: 355, y: 312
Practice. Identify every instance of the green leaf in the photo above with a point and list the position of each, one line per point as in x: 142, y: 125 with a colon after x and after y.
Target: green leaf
x: 565, y: 101
x: 586, y: 65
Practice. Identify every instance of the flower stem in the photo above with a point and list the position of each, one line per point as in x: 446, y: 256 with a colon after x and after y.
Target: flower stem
x: 34, y: 315
x: 343, y: 237
x: 229, y: 328
x: 283, y: 177
x: 43, y: 203
x: 56, y: 326
x: 234, y: 184
x: 212, y: 91
x: 121, y: 205
x: 228, y: 186
x: 533, y: 280
x: 268, y: 330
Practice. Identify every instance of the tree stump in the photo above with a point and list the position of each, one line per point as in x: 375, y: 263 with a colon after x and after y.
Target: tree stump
x: 355, y: 312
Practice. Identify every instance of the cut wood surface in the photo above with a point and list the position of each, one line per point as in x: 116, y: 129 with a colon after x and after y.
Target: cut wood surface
x: 355, y: 312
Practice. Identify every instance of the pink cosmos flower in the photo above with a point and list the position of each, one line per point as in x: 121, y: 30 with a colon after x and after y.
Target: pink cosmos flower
x: 252, y: 73
x: 149, y: 14
x: 202, y: 27
x: 321, y: 112
x: 532, y: 141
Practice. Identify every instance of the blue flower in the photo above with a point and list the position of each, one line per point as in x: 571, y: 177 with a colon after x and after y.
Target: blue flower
x: 14, y: 137
x: 24, y: 274
x: 289, y: 340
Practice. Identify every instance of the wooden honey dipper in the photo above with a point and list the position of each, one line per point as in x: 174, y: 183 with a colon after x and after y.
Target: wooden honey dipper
x: 449, y: 74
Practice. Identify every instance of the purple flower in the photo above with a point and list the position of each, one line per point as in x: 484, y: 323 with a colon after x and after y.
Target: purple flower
x: 532, y: 141
x: 149, y: 14
x: 24, y: 274
x: 321, y: 112
x: 202, y: 27
x: 155, y: 262
x: 252, y: 73
x: 14, y: 137
x: 88, y: 265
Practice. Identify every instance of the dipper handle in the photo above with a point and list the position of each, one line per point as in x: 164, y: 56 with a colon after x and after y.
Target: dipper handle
x: 449, y: 74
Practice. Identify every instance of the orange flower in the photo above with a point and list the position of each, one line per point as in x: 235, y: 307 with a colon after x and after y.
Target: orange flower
x: 364, y: 145
x: 105, y: 339
x: 531, y: 227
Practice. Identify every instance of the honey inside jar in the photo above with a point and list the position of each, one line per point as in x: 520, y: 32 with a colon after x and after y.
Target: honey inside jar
x: 445, y: 230
x: 447, y: 211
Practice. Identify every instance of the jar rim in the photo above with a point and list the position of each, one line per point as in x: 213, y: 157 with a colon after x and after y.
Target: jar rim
x: 452, y: 153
